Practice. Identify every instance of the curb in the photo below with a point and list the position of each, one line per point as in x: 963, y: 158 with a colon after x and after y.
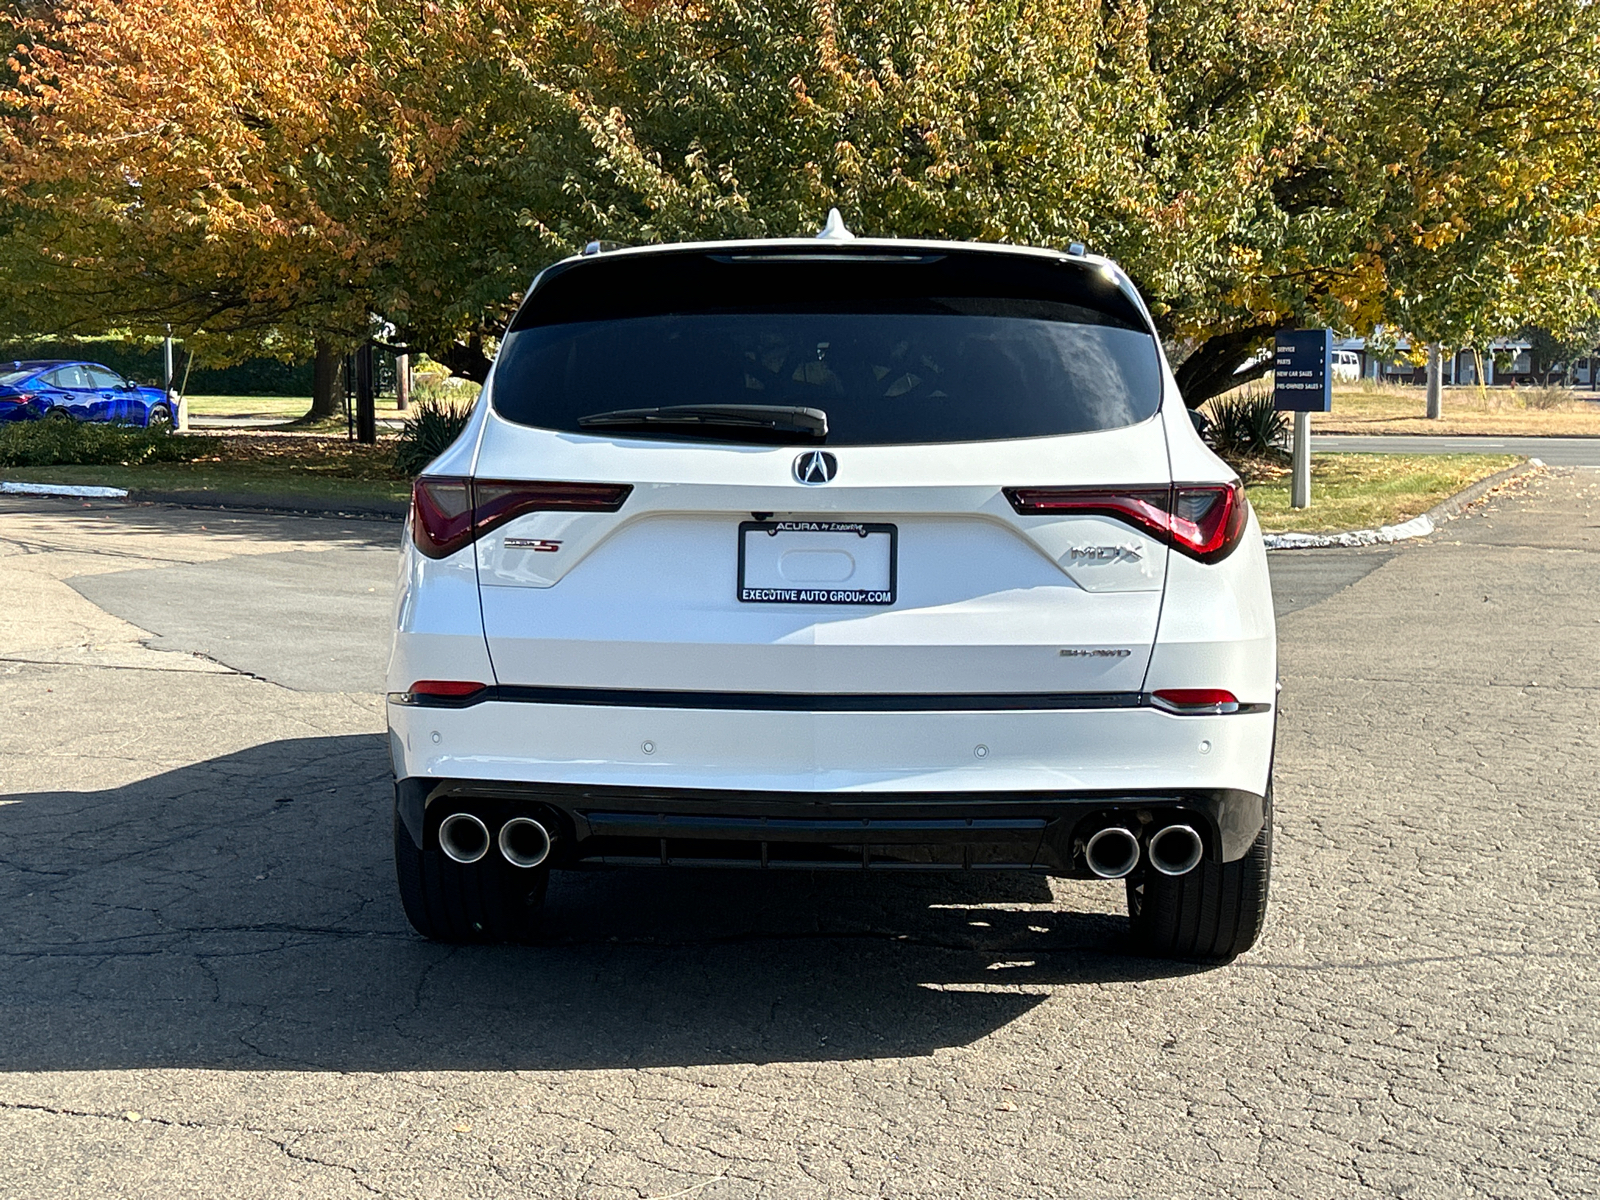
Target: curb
x: 68, y: 491
x: 1446, y: 509
x: 383, y: 510
x: 1417, y: 527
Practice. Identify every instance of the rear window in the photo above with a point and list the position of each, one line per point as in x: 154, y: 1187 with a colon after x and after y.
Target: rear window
x: 910, y: 349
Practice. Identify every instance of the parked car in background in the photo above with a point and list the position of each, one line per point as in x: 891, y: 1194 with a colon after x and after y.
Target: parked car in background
x: 1346, y: 366
x: 78, y: 391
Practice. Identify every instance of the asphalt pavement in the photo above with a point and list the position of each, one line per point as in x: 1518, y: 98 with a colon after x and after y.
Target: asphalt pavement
x: 1556, y: 451
x: 312, y: 620
x: 208, y: 989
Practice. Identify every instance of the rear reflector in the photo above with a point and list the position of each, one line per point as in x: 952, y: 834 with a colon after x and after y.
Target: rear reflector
x: 1196, y: 701
x: 1203, y: 521
x: 448, y: 513
x: 445, y: 687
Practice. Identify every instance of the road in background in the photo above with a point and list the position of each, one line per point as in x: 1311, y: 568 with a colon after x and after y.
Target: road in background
x: 1556, y: 451
x: 208, y: 988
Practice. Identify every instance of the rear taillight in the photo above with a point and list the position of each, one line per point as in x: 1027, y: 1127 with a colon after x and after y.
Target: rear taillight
x: 1204, y: 521
x: 448, y: 513
x: 441, y: 515
x: 1195, y: 701
x: 1208, y: 521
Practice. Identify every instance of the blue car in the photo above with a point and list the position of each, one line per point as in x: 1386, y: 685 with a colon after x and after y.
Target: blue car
x: 79, y: 391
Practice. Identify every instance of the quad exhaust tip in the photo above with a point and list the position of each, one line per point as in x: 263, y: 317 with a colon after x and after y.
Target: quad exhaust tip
x: 1175, y: 849
x: 463, y: 838
x: 1112, y: 852
x: 524, y: 842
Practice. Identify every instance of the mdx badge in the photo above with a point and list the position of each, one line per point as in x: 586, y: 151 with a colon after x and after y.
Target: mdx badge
x: 1105, y: 554
x: 816, y: 466
x: 543, y: 545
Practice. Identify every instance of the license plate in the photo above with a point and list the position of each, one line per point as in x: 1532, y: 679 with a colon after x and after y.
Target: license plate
x: 816, y: 562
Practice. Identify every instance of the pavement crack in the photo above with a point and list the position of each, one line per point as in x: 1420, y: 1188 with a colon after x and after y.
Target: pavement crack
x: 291, y: 1152
x: 122, y: 1117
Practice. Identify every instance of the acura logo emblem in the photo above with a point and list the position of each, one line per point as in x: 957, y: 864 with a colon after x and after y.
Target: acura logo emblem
x: 816, y: 466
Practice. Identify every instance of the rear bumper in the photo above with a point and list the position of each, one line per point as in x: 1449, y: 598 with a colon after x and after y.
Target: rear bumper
x: 620, y: 826
x: 1098, y: 751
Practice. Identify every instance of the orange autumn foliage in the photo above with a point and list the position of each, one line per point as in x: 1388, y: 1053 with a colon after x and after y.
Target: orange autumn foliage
x: 228, y: 167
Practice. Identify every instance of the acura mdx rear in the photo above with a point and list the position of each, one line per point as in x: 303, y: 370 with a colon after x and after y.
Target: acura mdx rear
x: 834, y: 555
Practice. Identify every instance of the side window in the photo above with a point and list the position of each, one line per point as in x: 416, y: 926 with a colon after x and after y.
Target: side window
x: 102, y: 379
x: 70, y: 377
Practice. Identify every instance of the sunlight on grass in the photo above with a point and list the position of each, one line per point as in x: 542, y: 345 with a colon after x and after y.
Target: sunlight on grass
x: 260, y: 465
x: 1364, y: 491
x: 1505, y: 412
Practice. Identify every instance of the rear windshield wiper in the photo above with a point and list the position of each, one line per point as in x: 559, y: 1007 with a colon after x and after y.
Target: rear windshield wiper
x: 684, y: 418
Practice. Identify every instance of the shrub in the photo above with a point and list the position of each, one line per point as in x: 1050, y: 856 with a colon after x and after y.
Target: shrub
x: 1246, y: 424
x: 430, y: 427
x: 57, y: 443
x: 1546, y: 396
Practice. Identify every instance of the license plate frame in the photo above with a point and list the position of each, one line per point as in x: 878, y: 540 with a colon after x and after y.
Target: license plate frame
x: 820, y: 594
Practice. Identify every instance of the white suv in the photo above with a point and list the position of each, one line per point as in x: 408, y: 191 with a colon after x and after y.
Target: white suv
x: 871, y: 555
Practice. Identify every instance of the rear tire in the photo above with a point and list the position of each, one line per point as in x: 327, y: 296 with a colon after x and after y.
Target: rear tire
x: 1213, y: 913
x: 488, y: 901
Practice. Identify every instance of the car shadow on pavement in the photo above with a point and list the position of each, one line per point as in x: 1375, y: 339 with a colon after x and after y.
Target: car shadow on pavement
x: 241, y: 913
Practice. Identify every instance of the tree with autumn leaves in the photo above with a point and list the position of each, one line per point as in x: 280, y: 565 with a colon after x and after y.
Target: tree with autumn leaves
x: 281, y: 174
x: 241, y: 173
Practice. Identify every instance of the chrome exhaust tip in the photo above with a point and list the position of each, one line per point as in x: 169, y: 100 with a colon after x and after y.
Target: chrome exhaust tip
x: 1112, y: 852
x: 524, y: 842
x: 1175, y: 850
x: 463, y: 838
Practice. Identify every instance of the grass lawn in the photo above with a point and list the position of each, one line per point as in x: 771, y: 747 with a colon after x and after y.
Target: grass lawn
x: 260, y: 408
x: 1364, y: 491
x: 264, y: 466
x: 288, y: 408
x: 1374, y: 409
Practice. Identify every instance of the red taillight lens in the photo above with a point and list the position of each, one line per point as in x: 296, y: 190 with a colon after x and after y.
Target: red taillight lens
x: 445, y: 687
x: 1196, y: 701
x: 449, y: 513
x: 1207, y: 522
x: 1142, y: 507
x: 441, y: 515
x: 1204, y: 521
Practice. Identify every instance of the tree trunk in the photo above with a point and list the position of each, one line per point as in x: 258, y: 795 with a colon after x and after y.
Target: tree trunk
x: 1215, y: 365
x: 466, y: 360
x: 327, y: 383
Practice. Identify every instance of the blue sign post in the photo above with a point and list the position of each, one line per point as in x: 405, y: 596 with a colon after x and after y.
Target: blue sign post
x: 1302, y: 383
x: 1302, y: 380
